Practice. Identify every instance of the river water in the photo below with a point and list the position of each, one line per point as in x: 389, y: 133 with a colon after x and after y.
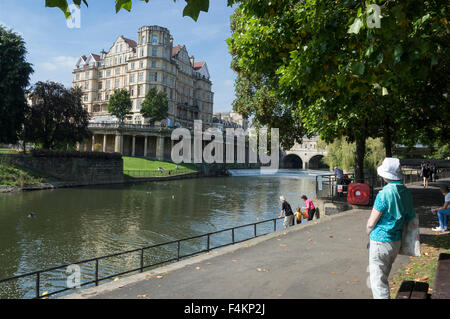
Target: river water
x: 81, y: 223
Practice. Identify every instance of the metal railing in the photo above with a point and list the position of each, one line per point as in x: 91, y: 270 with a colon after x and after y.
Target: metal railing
x: 37, y: 275
x: 329, y: 187
x: 107, y: 125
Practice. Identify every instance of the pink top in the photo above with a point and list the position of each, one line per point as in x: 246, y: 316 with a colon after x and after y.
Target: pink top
x: 309, y: 204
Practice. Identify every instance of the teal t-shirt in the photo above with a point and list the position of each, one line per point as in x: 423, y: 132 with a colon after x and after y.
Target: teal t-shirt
x: 395, y: 202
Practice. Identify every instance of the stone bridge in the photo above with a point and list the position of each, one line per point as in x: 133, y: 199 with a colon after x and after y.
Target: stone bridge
x: 305, y: 155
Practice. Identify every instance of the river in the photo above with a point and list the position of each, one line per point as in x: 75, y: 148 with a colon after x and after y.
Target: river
x: 74, y: 224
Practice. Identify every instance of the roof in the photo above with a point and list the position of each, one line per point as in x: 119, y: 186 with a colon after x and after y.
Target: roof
x: 198, y: 65
x: 130, y: 42
x: 96, y: 57
x: 176, y: 49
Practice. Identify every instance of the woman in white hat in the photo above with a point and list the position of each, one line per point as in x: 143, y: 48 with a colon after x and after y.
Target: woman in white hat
x: 393, y: 207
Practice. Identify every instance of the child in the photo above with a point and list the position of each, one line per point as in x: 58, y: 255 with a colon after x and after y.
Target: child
x: 298, y: 215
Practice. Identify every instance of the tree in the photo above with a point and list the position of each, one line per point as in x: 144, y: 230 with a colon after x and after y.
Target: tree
x: 155, y: 105
x: 56, y: 116
x: 339, y: 77
x: 192, y: 9
x: 120, y: 104
x: 15, y: 76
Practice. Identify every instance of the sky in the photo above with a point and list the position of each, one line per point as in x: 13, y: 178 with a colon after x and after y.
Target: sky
x: 53, y: 47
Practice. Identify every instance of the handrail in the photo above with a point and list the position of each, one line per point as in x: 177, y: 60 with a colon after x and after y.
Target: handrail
x: 141, y: 268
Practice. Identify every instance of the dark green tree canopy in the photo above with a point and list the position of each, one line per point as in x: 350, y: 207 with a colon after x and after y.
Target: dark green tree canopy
x: 56, y: 117
x: 15, y: 74
x: 336, y: 75
x: 120, y: 104
x: 155, y: 105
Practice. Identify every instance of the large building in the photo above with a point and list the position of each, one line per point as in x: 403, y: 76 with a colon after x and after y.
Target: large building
x: 152, y: 61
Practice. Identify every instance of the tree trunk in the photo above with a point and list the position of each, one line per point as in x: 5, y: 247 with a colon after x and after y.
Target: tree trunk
x: 360, y: 139
x: 387, y: 138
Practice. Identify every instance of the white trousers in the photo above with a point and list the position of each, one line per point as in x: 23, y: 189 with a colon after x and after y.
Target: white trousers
x: 381, y: 257
x: 288, y: 221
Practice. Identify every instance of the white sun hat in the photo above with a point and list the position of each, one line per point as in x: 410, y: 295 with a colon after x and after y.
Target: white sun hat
x: 390, y: 169
x: 282, y: 198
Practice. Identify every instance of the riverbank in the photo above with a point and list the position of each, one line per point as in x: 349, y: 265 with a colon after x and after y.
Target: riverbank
x: 325, y: 258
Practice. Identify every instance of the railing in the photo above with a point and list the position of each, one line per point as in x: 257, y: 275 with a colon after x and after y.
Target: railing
x: 38, y: 275
x: 329, y: 182
x: 157, y: 173
x: 126, y: 126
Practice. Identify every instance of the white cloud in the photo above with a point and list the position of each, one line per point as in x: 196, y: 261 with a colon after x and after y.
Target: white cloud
x: 60, y: 62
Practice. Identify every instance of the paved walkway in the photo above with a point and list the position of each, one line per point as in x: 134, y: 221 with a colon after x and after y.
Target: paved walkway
x: 326, y: 258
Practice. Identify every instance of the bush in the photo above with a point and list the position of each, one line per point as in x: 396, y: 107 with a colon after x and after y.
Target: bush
x: 75, y: 154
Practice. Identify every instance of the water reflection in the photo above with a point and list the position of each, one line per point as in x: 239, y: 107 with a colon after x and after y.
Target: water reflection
x: 81, y: 223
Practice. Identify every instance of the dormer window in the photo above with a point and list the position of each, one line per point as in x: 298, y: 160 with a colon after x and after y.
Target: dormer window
x: 155, y: 40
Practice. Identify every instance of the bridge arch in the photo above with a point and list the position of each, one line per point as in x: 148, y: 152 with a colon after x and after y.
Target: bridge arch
x: 291, y: 161
x: 315, y: 162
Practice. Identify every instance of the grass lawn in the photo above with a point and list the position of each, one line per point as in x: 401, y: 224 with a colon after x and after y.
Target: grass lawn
x: 423, y: 268
x: 13, y: 176
x: 7, y: 151
x: 143, y: 167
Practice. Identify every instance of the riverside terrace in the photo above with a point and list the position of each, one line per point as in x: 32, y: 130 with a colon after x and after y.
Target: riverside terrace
x: 144, y: 140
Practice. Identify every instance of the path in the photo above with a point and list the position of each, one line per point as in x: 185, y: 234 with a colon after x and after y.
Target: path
x: 323, y: 259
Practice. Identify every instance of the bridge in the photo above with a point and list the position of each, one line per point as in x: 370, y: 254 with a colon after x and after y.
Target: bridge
x: 305, y: 155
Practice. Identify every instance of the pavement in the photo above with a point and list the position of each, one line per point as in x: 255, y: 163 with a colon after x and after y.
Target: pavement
x: 321, y: 259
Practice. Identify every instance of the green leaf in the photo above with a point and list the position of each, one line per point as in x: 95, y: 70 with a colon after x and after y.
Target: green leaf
x: 61, y: 4
x: 358, y: 68
x: 123, y: 4
x: 194, y: 7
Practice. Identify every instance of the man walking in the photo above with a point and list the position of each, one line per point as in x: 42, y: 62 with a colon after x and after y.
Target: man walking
x: 287, y: 211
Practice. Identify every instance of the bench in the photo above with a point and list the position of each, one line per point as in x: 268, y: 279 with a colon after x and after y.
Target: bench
x: 419, y: 290
x: 441, y: 288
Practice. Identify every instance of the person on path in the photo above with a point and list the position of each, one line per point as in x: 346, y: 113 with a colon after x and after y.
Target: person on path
x: 309, y: 207
x: 444, y: 211
x: 298, y: 215
x: 287, y: 211
x: 426, y: 175
x: 392, y: 208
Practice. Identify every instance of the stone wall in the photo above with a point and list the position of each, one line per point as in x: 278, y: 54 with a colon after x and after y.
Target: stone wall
x: 72, y: 169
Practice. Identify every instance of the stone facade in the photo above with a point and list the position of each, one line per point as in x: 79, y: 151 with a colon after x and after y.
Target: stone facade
x: 83, y: 170
x: 152, y: 61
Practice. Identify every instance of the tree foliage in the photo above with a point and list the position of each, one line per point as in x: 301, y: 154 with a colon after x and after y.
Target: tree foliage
x: 339, y: 78
x: 340, y: 153
x: 56, y: 117
x: 120, y: 104
x: 15, y: 74
x: 192, y: 8
x: 155, y: 105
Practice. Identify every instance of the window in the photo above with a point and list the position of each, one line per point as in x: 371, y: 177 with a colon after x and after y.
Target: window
x: 132, y: 78
x: 164, y: 79
x: 107, y: 96
x: 139, y: 93
x: 154, y: 52
x: 141, y: 65
x: 117, y: 83
x: 108, y: 73
x: 142, y: 52
x: 100, y: 85
x: 143, y: 39
x: 108, y: 84
x: 153, y: 64
x: 155, y: 40
x: 120, y: 48
x: 141, y: 76
x: 86, y: 75
x: 86, y: 98
x: 100, y: 74
x: 125, y: 81
x: 139, y: 105
x: 132, y: 66
x: 86, y: 86
x: 78, y: 77
x: 120, y: 60
x: 115, y: 61
x: 118, y: 71
x: 153, y: 76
